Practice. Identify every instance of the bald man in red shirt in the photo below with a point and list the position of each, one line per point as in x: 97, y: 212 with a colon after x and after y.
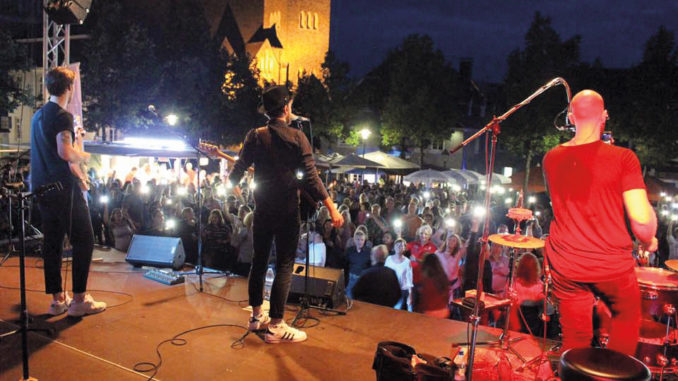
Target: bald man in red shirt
x: 592, y: 184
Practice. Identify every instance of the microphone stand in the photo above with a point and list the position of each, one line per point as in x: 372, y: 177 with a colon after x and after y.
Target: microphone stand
x: 22, y: 197
x: 304, y: 301
x: 493, y: 128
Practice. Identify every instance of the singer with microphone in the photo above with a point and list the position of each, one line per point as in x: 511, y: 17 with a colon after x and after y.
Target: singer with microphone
x: 278, y: 153
x: 592, y: 185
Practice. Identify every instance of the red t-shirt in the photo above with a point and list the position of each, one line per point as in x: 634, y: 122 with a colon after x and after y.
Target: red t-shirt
x: 417, y: 251
x: 588, y: 240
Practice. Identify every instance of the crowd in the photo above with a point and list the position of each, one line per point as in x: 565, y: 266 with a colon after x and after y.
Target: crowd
x: 401, y: 246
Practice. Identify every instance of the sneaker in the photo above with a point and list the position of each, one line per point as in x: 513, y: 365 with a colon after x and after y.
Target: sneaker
x: 283, y: 333
x: 57, y: 307
x: 87, y: 307
x: 259, y: 322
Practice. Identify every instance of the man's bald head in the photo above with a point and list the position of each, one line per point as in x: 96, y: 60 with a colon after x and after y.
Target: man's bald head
x: 587, y: 107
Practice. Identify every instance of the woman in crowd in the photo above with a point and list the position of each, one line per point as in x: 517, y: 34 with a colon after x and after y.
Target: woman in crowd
x: 187, y: 231
x: 121, y: 229
x: 450, y: 255
x: 347, y: 230
x: 418, y: 248
x: 242, y: 242
x: 500, y: 268
x: 403, y: 269
x: 157, y: 226
x: 358, y: 258
x: 216, y: 252
x: 530, y: 293
x: 317, y: 250
x: 333, y: 245
x: 432, y: 290
x: 388, y: 240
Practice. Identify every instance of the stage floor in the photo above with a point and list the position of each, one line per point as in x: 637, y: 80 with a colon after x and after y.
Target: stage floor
x: 143, y: 313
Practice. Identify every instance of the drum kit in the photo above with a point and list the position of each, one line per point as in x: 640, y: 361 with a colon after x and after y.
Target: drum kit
x: 658, y: 343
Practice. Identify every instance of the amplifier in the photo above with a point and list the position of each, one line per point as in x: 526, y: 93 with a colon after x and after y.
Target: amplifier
x: 146, y: 250
x: 325, y: 286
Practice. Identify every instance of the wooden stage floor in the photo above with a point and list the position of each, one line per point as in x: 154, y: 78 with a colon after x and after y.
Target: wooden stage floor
x: 143, y: 313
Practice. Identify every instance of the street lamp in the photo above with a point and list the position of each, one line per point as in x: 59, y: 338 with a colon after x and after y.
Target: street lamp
x: 172, y: 119
x: 365, y: 133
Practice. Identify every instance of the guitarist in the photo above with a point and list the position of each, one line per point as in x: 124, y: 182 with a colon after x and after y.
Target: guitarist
x: 62, y: 212
x: 278, y: 152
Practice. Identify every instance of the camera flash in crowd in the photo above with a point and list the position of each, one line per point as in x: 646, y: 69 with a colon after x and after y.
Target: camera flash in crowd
x: 169, y: 201
x: 447, y: 210
x: 531, y: 200
x: 182, y: 191
x: 674, y: 217
x: 253, y: 185
x: 479, y: 211
x: 368, y: 215
x: 427, y: 195
x: 145, y: 189
x: 674, y: 205
x: 229, y: 185
x: 450, y: 222
x: 668, y: 198
x: 662, y: 194
x: 170, y: 224
x: 221, y: 191
x: 300, y: 175
x: 537, y: 213
x: 456, y: 188
x: 508, y: 201
x: 103, y: 199
x: 398, y: 223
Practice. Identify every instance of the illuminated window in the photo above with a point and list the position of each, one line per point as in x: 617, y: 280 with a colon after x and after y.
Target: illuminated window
x: 302, y: 20
x: 315, y: 20
x: 309, y: 20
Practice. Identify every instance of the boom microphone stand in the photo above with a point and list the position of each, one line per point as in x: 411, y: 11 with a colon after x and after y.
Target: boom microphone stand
x: 493, y: 128
x: 22, y: 197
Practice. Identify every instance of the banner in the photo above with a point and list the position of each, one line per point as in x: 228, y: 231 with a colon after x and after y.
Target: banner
x: 75, y: 105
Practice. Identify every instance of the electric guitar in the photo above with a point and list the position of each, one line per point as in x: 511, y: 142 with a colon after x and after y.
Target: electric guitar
x: 307, y: 205
x: 80, y: 170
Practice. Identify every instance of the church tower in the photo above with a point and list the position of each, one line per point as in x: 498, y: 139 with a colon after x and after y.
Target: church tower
x: 286, y: 38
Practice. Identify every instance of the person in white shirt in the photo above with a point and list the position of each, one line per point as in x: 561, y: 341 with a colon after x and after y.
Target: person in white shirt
x: 403, y: 269
x: 317, y: 252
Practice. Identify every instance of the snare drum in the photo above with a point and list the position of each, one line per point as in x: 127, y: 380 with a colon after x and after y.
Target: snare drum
x: 657, y: 288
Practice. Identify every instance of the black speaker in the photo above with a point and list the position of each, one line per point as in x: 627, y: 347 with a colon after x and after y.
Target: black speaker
x: 156, y: 251
x: 325, y: 286
x: 68, y: 11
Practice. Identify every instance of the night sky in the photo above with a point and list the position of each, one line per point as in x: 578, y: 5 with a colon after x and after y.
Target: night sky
x: 488, y: 30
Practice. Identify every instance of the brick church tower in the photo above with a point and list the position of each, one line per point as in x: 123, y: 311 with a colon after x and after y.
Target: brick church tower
x: 285, y: 37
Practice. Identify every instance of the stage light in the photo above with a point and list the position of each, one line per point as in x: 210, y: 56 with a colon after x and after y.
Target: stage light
x: 170, y: 224
x: 182, y: 191
x: 450, y: 222
x: 508, y: 200
x: 172, y: 119
x: 154, y: 143
x: 427, y: 195
x: 531, y: 200
x: 145, y: 189
x: 204, y: 161
x: 479, y: 211
x: 456, y: 188
x: 103, y: 199
x: 365, y: 133
x: 300, y: 175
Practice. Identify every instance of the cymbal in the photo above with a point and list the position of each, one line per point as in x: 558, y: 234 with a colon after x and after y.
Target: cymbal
x: 517, y: 241
x: 672, y: 264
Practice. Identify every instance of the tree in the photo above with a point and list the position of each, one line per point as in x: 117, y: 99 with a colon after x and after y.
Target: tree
x: 242, y: 93
x: 13, y: 57
x: 422, y: 94
x: 529, y: 132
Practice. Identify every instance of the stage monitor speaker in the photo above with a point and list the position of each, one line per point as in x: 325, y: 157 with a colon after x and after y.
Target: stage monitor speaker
x: 325, y: 286
x: 68, y: 11
x: 156, y: 251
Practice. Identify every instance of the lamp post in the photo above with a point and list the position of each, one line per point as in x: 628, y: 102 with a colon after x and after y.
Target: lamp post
x: 364, y: 133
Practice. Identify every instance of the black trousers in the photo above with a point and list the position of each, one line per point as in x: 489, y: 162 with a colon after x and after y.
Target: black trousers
x: 62, y: 213
x: 285, y: 230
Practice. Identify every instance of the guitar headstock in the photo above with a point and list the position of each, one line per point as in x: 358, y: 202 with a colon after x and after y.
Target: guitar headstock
x: 208, y: 147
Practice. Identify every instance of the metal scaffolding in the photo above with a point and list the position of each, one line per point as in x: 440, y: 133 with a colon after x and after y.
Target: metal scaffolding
x: 56, y: 46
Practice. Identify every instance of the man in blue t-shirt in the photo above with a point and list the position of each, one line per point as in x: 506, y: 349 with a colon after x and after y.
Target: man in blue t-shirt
x: 65, y: 211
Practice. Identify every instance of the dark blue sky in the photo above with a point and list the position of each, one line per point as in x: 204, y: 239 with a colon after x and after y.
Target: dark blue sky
x: 488, y: 30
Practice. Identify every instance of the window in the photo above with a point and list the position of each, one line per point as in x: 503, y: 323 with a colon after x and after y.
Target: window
x: 302, y: 20
x: 315, y: 20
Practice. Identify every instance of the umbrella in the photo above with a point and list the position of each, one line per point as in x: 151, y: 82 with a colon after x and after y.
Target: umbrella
x: 390, y: 162
x: 462, y: 177
x: 356, y: 161
x: 429, y: 176
x: 500, y: 178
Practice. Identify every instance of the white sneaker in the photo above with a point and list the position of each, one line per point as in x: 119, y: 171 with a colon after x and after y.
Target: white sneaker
x: 259, y: 322
x: 57, y: 307
x: 87, y: 307
x: 283, y: 333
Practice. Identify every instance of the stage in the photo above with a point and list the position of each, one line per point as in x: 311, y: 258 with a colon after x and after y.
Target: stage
x: 143, y: 313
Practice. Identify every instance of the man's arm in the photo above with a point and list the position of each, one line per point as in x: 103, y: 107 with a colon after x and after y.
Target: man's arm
x: 66, y: 151
x: 642, y: 216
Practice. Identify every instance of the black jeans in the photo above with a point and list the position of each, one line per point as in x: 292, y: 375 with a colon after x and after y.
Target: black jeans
x: 59, y: 219
x: 285, y: 230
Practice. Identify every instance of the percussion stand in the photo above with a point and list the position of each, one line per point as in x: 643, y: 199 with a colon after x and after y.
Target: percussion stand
x: 493, y: 128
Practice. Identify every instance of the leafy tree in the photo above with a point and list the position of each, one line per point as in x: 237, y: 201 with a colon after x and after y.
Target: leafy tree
x: 242, y: 94
x: 422, y: 97
x: 13, y: 57
x: 529, y: 132
x: 120, y: 71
